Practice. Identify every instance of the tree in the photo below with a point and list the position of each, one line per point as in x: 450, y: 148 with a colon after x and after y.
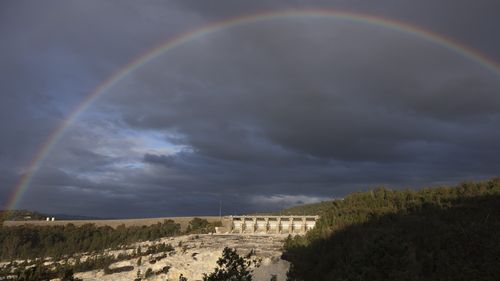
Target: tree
x: 197, y: 224
x: 231, y: 267
x: 148, y: 273
x: 68, y: 275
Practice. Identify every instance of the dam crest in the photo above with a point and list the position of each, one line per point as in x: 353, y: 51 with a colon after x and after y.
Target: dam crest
x: 262, y: 224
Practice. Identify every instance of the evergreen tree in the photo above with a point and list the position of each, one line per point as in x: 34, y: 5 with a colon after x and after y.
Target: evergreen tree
x: 231, y: 267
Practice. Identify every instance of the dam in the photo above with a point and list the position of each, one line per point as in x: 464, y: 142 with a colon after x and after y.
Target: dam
x: 248, y: 224
x: 269, y: 224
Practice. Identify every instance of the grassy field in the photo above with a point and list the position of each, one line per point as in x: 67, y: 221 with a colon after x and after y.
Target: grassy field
x: 183, y: 221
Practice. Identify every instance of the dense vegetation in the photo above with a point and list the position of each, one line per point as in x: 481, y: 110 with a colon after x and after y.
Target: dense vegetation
x: 22, y: 242
x: 442, y: 233
x: 199, y: 226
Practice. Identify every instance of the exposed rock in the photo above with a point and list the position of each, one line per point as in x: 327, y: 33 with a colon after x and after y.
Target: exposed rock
x: 198, y: 254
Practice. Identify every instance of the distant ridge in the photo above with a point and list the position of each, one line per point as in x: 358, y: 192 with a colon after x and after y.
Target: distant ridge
x: 78, y: 217
x: 27, y: 215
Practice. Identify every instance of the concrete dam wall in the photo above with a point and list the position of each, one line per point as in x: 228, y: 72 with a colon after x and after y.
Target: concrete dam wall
x: 268, y: 224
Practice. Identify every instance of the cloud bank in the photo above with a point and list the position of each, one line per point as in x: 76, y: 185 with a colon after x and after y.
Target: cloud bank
x: 259, y: 116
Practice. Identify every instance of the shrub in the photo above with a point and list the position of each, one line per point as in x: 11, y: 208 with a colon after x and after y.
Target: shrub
x: 149, y: 273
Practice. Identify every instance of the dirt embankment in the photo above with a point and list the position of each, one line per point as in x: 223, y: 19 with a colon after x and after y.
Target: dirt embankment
x: 183, y: 221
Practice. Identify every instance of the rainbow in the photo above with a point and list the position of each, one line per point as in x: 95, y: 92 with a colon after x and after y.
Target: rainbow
x: 440, y: 40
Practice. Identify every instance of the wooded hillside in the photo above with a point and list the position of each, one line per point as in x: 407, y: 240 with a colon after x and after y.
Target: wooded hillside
x: 444, y: 233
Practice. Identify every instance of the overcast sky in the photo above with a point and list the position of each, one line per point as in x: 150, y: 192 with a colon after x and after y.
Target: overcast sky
x: 259, y: 116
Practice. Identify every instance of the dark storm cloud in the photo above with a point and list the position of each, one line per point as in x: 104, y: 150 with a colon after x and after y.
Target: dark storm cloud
x: 258, y: 116
x: 456, y: 18
x: 53, y: 54
x: 357, y: 100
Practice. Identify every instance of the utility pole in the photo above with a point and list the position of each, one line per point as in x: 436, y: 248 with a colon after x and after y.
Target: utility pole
x: 220, y: 210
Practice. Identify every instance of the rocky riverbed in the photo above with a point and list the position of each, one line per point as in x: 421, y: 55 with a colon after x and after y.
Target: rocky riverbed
x: 197, y: 254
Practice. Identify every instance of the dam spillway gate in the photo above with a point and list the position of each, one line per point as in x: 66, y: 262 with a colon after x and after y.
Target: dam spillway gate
x: 270, y: 224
